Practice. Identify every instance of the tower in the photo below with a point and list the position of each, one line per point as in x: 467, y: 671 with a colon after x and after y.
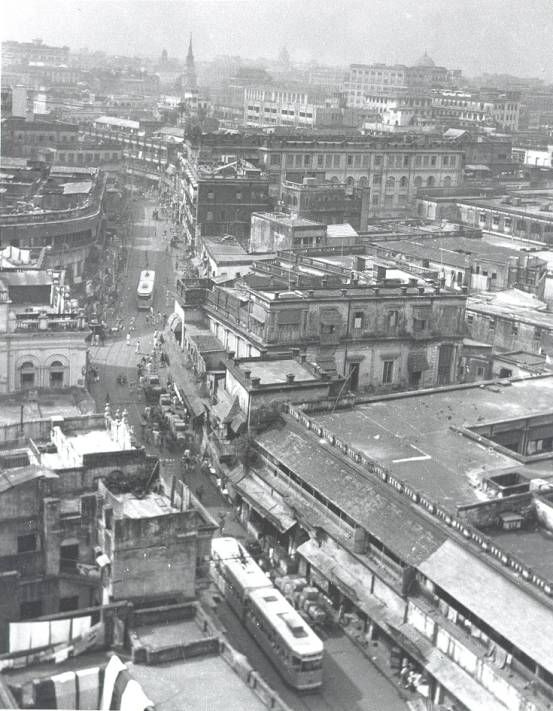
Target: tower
x: 189, y: 79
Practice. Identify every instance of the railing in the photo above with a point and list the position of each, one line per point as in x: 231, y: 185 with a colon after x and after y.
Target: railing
x: 92, y: 205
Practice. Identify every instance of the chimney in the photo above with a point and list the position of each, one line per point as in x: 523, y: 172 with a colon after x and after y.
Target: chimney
x: 256, y: 382
x: 403, y: 289
x: 421, y: 290
x: 236, y: 361
x: 247, y: 374
x: 290, y: 378
x: 230, y: 355
x: 303, y: 357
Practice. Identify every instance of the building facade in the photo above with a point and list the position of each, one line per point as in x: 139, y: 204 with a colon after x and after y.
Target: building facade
x: 379, y: 339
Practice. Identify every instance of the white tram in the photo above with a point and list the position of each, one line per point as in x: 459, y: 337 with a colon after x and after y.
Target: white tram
x: 292, y: 646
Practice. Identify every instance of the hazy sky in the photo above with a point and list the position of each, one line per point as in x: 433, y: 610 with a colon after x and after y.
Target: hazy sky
x: 512, y: 36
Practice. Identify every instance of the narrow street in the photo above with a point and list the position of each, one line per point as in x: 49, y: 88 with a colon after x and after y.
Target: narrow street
x: 351, y: 683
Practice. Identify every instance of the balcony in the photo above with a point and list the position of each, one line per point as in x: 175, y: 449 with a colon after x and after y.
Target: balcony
x: 44, y: 323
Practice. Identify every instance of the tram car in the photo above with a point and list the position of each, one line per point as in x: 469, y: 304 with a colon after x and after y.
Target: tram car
x: 291, y: 645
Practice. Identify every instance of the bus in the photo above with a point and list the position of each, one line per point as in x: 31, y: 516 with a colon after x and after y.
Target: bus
x: 291, y: 645
x: 145, y: 289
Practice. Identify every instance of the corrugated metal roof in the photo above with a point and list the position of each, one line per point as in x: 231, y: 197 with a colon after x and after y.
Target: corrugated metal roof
x: 371, y: 504
x: 500, y: 603
x: 22, y: 475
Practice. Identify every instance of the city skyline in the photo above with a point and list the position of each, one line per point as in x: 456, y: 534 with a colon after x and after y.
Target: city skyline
x: 456, y: 35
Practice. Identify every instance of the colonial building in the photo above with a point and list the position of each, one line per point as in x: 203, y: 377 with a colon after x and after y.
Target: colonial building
x: 63, y: 211
x: 379, y: 337
x: 42, y: 332
x: 218, y: 199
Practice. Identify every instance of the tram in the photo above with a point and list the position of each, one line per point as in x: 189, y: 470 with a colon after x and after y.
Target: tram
x: 145, y: 289
x: 291, y: 645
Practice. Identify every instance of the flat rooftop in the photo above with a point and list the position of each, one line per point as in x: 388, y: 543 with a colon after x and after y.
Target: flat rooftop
x: 206, y: 683
x: 452, y: 250
x: 531, y: 205
x: 147, y: 507
x: 47, y: 404
x: 533, y: 547
x: 275, y: 371
x: 412, y: 435
x: 511, y: 305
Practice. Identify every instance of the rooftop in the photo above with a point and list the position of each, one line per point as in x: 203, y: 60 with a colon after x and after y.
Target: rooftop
x: 276, y: 371
x: 371, y: 504
x: 148, y: 506
x: 289, y: 221
x: 514, y: 305
x: 530, y: 205
x: 452, y: 250
x: 413, y: 434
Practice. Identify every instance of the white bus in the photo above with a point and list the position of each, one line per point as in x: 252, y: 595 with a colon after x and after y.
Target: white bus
x: 292, y: 646
x: 145, y: 289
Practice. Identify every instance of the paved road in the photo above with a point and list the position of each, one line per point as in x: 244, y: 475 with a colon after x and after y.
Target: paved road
x: 351, y: 683
x: 147, y: 249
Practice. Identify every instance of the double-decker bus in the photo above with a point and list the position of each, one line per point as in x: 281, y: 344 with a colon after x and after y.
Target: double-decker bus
x: 291, y: 645
x: 145, y: 289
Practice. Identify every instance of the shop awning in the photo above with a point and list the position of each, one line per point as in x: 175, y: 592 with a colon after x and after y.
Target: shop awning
x: 174, y: 321
x: 343, y: 570
x: 417, y: 361
x: 262, y: 500
x: 491, y: 596
x: 466, y: 689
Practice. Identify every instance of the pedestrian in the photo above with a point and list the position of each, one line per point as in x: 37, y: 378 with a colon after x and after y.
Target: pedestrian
x: 152, y: 311
x: 137, y: 345
x: 128, y: 338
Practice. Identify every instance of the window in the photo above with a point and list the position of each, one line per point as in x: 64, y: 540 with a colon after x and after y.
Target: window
x: 69, y: 555
x: 239, y: 196
x: 388, y: 371
x: 349, y: 160
x: 26, y: 543
x: 69, y: 603
x: 57, y: 374
x: 378, y: 159
x: 419, y: 325
x: 418, y: 181
x: 209, y: 216
x: 27, y: 375
x: 393, y: 319
x: 390, y: 183
x: 210, y: 195
x: 30, y: 609
x: 432, y: 161
x: 358, y: 320
x: 403, y: 182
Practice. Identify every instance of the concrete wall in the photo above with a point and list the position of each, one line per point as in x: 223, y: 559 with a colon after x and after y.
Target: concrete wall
x: 155, y: 556
x: 42, y: 349
x: 508, y: 333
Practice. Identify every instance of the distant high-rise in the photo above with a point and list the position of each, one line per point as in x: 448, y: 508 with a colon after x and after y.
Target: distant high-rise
x: 189, y: 82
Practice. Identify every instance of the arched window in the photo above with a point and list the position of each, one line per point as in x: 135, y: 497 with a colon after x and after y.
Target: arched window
x: 418, y: 181
x: 431, y: 180
x: 403, y: 182
x: 27, y: 373
x: 350, y: 183
x: 447, y: 181
x: 363, y: 181
x: 390, y: 183
x: 57, y: 374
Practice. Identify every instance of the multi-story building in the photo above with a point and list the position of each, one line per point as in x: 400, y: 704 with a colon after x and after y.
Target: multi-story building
x: 42, y: 332
x: 275, y: 231
x: 400, y: 109
x: 429, y: 544
x: 57, y: 207
x: 300, y: 107
x: 218, y: 199
x: 393, y: 169
x: 470, y: 261
x: 35, y: 51
x: 380, y: 337
x: 26, y: 138
x: 327, y: 203
x: 486, y: 107
x: 367, y: 79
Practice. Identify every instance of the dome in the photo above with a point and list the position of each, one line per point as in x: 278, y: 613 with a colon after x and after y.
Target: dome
x: 425, y: 61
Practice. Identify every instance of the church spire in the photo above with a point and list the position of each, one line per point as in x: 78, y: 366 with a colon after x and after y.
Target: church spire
x: 190, y: 75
